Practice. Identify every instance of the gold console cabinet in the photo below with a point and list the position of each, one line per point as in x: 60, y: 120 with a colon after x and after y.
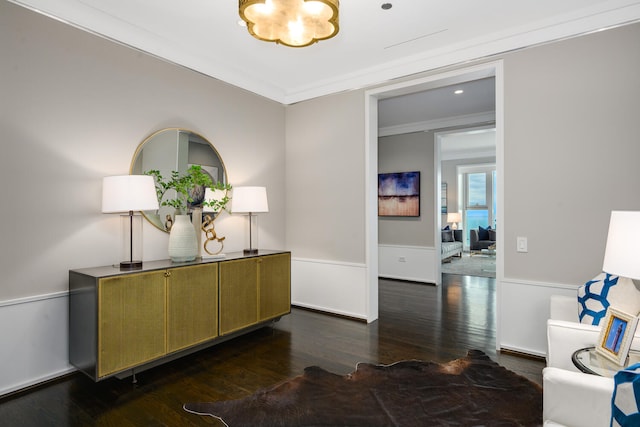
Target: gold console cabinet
x: 120, y: 321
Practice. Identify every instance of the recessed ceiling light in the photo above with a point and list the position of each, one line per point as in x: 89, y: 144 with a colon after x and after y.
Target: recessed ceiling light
x: 386, y: 6
x: 459, y: 92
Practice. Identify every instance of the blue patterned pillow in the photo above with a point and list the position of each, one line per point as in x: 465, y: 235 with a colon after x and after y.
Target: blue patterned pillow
x: 605, y: 290
x: 626, y: 397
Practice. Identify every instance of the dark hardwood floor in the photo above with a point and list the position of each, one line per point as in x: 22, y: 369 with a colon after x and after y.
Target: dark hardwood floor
x: 416, y: 322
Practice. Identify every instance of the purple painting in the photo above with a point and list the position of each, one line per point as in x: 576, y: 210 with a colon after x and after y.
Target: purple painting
x: 399, y: 194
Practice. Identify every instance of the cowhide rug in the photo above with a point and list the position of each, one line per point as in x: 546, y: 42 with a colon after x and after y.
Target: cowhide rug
x: 471, y: 391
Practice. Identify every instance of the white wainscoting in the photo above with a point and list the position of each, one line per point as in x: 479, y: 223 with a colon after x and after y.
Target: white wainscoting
x: 34, y: 340
x: 35, y: 337
x: 523, y: 312
x: 334, y: 287
x: 415, y: 263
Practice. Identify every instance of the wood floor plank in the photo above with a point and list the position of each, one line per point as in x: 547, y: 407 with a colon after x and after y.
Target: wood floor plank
x: 416, y: 321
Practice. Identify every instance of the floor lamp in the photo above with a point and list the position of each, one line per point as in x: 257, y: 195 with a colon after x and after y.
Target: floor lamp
x: 129, y: 193
x: 249, y: 200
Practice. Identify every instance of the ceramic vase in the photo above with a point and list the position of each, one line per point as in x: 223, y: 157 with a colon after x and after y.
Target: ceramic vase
x: 183, y: 244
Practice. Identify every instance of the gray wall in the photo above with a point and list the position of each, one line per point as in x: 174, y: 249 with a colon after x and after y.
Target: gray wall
x: 74, y: 108
x: 325, y: 178
x: 571, y: 149
x: 406, y: 153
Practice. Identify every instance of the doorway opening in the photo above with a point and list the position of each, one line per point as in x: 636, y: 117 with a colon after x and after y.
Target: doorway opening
x: 467, y: 164
x: 372, y: 97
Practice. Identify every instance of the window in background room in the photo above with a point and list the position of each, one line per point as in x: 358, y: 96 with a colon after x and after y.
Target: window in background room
x: 479, y: 197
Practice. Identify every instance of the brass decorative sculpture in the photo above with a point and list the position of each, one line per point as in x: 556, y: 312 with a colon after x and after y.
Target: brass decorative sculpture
x: 211, y: 235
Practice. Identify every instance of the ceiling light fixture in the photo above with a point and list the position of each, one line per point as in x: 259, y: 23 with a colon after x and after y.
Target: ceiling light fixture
x: 294, y: 23
x: 458, y: 92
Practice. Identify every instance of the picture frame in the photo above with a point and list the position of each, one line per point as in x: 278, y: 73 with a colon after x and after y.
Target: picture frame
x: 616, y: 335
x: 443, y: 198
x: 399, y: 194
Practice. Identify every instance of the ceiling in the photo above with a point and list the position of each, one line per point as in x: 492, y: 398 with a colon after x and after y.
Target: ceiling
x: 439, y: 109
x: 465, y: 121
x: 373, y: 45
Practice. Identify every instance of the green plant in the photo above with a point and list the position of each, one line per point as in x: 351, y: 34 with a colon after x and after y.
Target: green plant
x: 184, y: 186
x: 219, y: 205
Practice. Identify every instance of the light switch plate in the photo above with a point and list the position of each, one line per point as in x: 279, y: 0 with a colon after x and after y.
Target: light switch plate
x: 521, y: 244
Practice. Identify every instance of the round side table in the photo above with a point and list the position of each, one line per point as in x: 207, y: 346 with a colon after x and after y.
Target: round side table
x: 590, y: 362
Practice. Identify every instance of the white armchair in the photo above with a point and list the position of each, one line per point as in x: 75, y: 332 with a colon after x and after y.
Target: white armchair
x: 572, y: 398
x: 575, y: 399
x: 566, y: 335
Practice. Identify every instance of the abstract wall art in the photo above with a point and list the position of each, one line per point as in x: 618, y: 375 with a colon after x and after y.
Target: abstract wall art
x: 399, y: 194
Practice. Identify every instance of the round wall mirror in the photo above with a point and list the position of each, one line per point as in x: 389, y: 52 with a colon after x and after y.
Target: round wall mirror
x: 176, y: 149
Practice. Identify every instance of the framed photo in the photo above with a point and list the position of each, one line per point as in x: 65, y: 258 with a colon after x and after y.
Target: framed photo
x: 399, y: 194
x: 616, y: 335
x: 443, y: 198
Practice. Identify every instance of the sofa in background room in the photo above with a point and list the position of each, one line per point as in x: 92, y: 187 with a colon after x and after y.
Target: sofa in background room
x: 451, y: 244
x: 482, y: 238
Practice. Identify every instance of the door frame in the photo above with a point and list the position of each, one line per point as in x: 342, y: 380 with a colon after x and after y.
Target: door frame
x: 372, y: 96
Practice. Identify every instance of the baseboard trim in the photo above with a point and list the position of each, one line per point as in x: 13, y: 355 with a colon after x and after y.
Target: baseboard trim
x: 531, y: 354
x: 329, y: 313
x: 406, y: 279
x: 36, y: 383
x: 327, y: 310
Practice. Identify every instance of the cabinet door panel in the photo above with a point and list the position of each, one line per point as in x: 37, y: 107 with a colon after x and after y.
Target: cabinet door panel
x: 275, y: 286
x: 131, y: 319
x: 192, y: 305
x: 238, y: 294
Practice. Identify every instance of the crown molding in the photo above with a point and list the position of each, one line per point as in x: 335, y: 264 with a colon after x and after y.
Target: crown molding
x: 605, y: 15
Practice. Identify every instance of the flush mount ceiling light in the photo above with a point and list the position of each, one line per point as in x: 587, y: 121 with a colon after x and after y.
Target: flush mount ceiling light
x: 294, y: 23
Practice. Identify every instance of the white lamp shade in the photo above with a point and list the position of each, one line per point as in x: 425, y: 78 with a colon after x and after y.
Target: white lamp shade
x: 621, y: 254
x: 249, y: 200
x: 211, y: 195
x: 454, y: 217
x: 124, y: 193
